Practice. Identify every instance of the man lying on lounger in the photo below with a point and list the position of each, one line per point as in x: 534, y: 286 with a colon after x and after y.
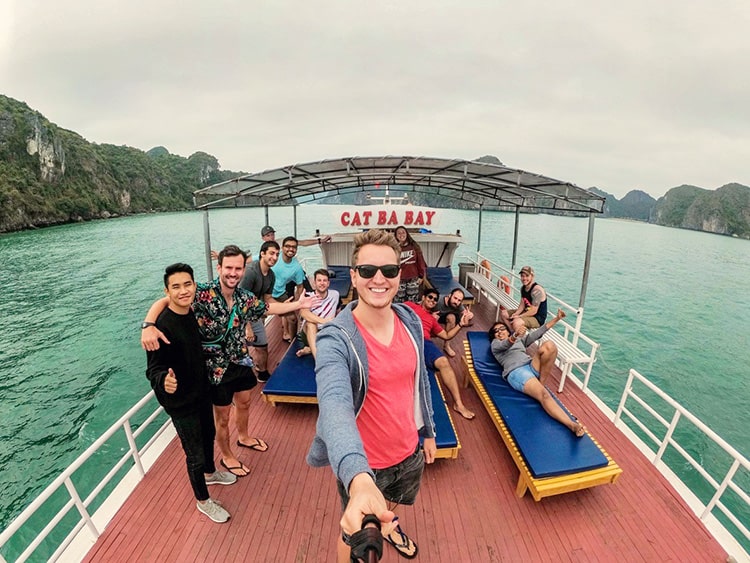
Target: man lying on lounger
x: 527, y: 374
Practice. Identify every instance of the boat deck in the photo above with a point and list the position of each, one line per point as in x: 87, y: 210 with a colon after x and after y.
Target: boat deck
x: 467, y: 509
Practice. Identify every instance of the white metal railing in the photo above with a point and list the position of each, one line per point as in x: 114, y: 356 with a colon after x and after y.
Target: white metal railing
x: 64, y: 480
x: 496, y: 272
x: 728, y: 482
x: 503, y: 277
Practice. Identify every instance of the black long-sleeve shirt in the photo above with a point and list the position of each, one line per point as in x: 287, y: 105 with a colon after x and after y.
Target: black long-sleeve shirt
x: 185, y: 356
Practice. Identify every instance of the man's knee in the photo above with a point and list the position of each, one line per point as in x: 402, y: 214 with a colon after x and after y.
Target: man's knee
x: 221, y: 414
x: 442, y: 364
x: 242, y: 400
x: 548, y: 348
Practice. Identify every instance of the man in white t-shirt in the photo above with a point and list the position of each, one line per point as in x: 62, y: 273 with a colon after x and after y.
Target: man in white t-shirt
x: 313, y: 318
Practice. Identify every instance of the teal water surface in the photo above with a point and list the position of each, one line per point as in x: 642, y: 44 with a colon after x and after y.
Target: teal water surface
x: 671, y: 303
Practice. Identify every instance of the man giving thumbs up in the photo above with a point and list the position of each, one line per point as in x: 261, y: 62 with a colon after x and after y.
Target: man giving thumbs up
x: 176, y: 373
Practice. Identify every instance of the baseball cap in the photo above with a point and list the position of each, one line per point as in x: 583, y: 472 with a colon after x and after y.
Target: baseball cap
x: 527, y: 270
x: 267, y: 230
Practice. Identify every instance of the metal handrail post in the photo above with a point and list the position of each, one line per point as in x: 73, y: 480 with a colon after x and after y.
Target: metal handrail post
x: 667, y: 437
x: 81, y: 508
x: 133, y: 447
x: 294, y: 214
x: 587, y: 261
x: 479, y: 229
x: 207, y: 244
x: 515, y: 239
x: 625, y: 393
x: 720, y: 491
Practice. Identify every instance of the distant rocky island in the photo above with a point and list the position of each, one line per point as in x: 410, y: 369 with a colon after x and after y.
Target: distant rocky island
x: 724, y: 211
x: 50, y: 175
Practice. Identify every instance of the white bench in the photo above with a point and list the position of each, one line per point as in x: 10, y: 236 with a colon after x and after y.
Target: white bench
x: 490, y: 288
x: 568, y: 354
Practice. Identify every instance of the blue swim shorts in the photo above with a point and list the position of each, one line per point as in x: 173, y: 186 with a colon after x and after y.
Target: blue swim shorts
x: 431, y: 353
x: 519, y: 376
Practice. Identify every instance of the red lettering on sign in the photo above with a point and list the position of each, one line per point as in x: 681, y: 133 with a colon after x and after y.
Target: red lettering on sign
x: 356, y: 220
x: 366, y: 216
x: 381, y: 218
x: 345, y: 218
x: 408, y: 218
x: 393, y: 220
x: 430, y: 215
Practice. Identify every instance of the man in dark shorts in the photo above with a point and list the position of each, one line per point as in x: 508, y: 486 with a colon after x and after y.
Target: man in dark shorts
x: 451, y: 311
x: 259, y: 279
x: 432, y: 356
x: 373, y: 397
x: 176, y: 373
x: 225, y: 312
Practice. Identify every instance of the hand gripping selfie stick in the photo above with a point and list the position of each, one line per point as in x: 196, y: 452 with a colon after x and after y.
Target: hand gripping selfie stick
x: 367, y: 544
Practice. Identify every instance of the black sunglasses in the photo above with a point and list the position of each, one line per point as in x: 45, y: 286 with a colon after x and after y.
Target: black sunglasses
x: 368, y: 271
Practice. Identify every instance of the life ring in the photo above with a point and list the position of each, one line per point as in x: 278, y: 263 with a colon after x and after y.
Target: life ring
x: 485, y: 265
x: 504, y: 284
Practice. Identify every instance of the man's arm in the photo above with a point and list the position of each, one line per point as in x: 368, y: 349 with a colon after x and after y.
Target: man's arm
x: 316, y: 240
x: 552, y: 322
x: 305, y: 302
x: 462, y: 322
x: 150, y: 336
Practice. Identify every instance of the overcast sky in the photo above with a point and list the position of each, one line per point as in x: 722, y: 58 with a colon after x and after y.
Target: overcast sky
x: 640, y: 94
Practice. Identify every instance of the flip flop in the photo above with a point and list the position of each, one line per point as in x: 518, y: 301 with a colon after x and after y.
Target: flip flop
x: 258, y: 446
x: 404, y: 543
x: 240, y: 467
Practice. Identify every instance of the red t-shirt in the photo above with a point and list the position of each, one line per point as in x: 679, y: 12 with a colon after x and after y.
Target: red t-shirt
x: 386, y: 422
x: 430, y: 326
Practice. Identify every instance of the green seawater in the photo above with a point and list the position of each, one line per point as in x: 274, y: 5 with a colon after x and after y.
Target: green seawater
x: 671, y: 303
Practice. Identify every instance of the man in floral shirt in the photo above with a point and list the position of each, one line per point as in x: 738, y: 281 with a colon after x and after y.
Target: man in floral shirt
x: 225, y: 312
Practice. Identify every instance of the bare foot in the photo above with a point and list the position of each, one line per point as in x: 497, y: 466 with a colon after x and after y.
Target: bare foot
x: 304, y: 351
x: 449, y: 351
x: 579, y: 430
x: 463, y: 411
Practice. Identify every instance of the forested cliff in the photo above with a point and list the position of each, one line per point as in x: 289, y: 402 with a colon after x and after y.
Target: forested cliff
x: 50, y: 175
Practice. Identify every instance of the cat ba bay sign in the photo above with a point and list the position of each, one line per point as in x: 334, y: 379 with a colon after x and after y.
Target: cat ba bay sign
x: 388, y: 216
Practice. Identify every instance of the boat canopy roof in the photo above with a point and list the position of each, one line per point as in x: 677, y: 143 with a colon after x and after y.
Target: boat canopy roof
x: 479, y: 185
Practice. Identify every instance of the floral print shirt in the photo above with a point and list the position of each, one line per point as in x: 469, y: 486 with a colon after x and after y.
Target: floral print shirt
x: 222, y: 347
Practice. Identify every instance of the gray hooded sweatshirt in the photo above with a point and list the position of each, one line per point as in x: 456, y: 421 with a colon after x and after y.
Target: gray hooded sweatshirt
x: 341, y: 375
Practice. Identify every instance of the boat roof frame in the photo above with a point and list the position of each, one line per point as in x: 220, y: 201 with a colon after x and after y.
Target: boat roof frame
x: 480, y: 185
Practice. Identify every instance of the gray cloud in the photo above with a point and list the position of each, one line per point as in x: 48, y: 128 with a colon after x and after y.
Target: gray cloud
x: 631, y: 95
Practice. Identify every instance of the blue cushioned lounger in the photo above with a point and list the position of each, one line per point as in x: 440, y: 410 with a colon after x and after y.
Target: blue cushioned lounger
x: 547, y: 448
x: 441, y: 278
x: 445, y: 433
x: 293, y: 381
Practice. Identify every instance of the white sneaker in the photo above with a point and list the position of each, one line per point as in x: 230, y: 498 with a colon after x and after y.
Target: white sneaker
x: 221, y: 478
x: 213, y: 509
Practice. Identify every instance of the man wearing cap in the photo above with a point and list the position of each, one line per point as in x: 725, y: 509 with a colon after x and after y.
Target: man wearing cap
x: 532, y: 310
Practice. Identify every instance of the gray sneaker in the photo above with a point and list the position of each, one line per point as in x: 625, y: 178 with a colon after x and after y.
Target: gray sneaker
x: 221, y: 478
x: 213, y: 509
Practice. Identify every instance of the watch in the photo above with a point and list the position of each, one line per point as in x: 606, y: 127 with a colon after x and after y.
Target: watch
x: 146, y: 324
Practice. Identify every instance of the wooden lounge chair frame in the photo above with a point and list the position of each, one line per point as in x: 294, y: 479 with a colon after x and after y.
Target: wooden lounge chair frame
x: 547, y: 486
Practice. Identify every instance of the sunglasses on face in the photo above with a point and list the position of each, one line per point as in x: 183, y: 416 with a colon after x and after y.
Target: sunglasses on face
x: 368, y: 271
x: 430, y: 297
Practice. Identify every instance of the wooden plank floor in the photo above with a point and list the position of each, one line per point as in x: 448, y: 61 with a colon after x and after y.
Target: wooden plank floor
x: 466, y: 511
